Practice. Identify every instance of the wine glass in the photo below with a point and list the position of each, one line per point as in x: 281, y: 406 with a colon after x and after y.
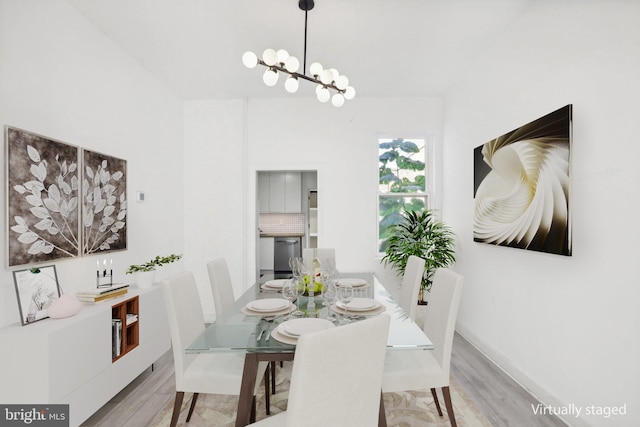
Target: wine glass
x: 345, y: 293
x: 329, y: 293
x: 290, y: 293
x: 294, y: 263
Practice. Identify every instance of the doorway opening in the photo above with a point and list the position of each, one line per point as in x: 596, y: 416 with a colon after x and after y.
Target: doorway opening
x: 286, y: 218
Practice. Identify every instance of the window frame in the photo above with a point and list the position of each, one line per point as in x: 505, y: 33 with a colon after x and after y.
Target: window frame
x: 429, y: 174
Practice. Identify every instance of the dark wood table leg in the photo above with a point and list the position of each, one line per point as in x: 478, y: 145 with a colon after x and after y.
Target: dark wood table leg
x: 382, y: 417
x: 246, y: 389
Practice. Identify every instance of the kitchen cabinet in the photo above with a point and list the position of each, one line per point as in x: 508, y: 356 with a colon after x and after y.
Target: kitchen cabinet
x: 263, y: 191
x: 280, y: 192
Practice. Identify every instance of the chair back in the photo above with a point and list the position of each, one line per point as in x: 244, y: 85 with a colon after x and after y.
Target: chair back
x: 221, y: 286
x: 411, y: 285
x: 186, y: 321
x: 324, y: 255
x: 336, y: 379
x: 441, y: 314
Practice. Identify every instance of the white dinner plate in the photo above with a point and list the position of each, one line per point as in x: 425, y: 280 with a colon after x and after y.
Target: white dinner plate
x: 284, y: 311
x: 276, y: 284
x: 296, y: 327
x: 279, y: 336
x: 355, y: 283
x: 268, y: 304
x: 360, y: 304
x: 378, y: 310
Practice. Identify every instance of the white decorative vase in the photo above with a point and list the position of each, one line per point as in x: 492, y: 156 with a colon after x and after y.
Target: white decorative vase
x: 144, y: 279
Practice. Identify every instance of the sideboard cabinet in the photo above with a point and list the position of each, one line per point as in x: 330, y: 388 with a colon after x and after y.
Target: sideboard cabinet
x: 71, y: 361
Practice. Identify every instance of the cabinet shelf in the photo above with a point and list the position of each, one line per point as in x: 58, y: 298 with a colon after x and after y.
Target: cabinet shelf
x: 125, y: 327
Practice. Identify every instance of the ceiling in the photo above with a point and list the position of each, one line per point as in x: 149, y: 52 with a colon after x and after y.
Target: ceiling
x: 385, y: 47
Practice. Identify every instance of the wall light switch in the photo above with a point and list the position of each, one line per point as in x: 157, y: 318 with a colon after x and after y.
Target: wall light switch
x: 140, y: 196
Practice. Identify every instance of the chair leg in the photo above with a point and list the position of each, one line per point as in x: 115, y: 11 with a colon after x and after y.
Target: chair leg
x: 435, y: 399
x: 176, y: 408
x: 449, y: 406
x: 192, y: 407
x: 267, y: 394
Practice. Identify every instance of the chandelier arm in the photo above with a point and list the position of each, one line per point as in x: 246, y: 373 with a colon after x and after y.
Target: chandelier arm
x: 301, y: 76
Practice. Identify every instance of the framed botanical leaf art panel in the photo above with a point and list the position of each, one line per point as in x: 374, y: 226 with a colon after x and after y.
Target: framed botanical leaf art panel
x: 104, y: 203
x: 62, y: 202
x: 42, y: 198
x: 522, y: 183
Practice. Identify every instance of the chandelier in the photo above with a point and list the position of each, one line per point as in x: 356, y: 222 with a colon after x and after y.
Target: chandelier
x: 327, y: 80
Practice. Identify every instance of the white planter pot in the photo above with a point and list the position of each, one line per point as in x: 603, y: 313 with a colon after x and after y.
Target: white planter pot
x: 144, y: 279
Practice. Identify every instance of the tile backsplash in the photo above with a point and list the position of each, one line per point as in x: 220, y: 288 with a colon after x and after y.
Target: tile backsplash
x: 282, y: 223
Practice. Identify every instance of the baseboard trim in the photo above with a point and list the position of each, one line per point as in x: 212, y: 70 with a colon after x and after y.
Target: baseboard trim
x: 505, y: 365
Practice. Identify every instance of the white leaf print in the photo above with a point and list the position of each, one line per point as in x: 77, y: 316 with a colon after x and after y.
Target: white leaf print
x: 28, y: 237
x: 33, y: 200
x: 34, y: 155
x: 51, y: 204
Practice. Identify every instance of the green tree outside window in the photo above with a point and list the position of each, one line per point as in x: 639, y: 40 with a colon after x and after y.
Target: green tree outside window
x: 402, y: 182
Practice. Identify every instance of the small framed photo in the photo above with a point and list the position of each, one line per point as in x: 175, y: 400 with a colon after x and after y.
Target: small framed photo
x: 36, y: 289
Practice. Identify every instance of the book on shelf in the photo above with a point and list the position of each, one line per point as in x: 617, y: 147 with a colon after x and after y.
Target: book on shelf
x: 103, y: 290
x: 131, y: 318
x: 102, y: 297
x: 116, y: 338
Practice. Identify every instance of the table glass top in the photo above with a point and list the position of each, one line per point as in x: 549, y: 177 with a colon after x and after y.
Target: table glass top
x: 234, y: 330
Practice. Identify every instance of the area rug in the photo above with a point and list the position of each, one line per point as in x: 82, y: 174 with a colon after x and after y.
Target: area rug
x: 406, y: 409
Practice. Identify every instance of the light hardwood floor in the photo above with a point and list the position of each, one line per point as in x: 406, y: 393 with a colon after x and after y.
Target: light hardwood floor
x: 500, y: 398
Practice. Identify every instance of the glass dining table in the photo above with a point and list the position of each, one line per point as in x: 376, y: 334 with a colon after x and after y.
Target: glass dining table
x: 242, y: 330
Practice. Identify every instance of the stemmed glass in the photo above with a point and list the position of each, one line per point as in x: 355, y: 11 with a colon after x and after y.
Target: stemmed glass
x: 290, y: 293
x: 294, y: 263
x: 329, y: 292
x: 345, y: 293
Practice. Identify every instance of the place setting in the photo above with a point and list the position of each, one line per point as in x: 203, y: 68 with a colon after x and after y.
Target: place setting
x: 355, y: 283
x: 358, y: 307
x: 274, y: 285
x: 289, y: 331
x: 268, y: 307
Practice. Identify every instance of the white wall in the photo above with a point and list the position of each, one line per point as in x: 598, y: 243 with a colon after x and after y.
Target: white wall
x: 566, y: 327
x: 61, y: 78
x: 234, y: 139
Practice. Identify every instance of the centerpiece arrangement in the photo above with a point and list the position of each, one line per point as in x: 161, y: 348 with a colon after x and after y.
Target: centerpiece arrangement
x: 305, y: 285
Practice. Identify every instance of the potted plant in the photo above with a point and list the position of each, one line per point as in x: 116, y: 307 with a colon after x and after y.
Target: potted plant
x: 144, y: 274
x: 418, y: 233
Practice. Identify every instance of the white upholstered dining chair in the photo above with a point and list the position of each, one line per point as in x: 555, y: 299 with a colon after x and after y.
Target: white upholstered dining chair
x: 411, y: 281
x: 221, y: 285
x: 223, y: 298
x: 429, y: 369
x: 336, y: 377
x: 219, y: 373
x: 324, y: 255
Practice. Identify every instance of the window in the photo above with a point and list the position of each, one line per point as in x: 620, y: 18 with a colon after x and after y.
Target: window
x: 404, y: 181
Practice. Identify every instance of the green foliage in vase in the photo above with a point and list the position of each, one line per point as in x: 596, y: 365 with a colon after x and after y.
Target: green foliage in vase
x: 151, y: 265
x: 421, y: 235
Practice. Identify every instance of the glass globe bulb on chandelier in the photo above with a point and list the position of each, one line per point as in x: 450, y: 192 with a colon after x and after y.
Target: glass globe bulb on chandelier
x: 327, y: 80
